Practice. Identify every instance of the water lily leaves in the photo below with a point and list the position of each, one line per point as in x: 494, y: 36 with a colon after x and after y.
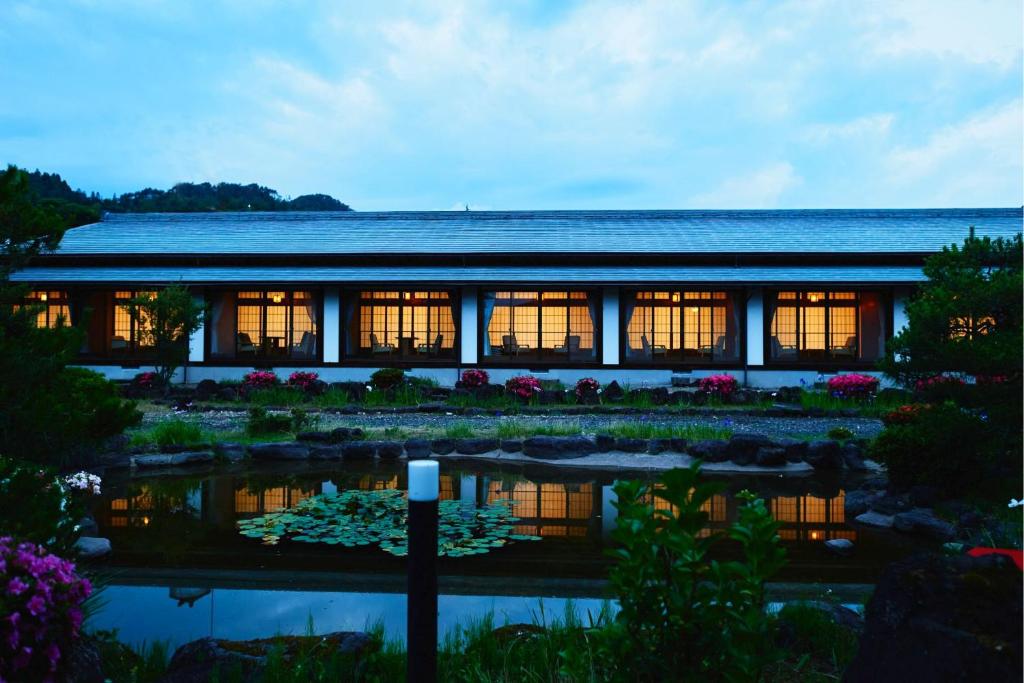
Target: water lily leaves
x: 356, y: 518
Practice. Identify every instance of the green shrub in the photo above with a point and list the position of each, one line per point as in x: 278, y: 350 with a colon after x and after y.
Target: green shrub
x: 819, y: 647
x: 459, y: 430
x: 683, y: 616
x: 840, y: 433
x: 387, y: 378
x: 943, y: 446
x: 278, y: 396
x: 650, y: 430
x: 511, y: 428
x: 33, y: 507
x: 332, y: 398
x: 262, y: 422
x: 177, y: 432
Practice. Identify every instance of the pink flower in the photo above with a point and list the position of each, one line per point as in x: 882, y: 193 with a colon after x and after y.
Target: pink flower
x: 16, y: 586
x: 302, y: 380
x: 721, y: 386
x: 471, y: 379
x: 852, y: 386
x: 523, y: 386
x: 260, y: 379
x: 586, y: 386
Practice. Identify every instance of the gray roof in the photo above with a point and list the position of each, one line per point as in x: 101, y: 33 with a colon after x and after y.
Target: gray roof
x: 489, y: 232
x: 474, y: 275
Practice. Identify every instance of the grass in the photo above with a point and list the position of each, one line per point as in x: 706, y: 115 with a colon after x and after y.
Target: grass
x: 332, y: 398
x: 278, y: 396
x: 513, y: 428
x: 459, y: 430
x: 821, y: 400
x: 173, y: 432
x: 821, y: 649
x: 649, y: 430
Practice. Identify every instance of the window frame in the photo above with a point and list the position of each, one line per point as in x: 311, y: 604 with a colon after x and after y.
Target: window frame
x: 546, y: 363
x: 48, y: 304
x: 288, y: 301
x: 352, y: 296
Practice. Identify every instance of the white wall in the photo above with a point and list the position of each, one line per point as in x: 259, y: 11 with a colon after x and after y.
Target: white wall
x: 610, y: 326
x: 196, y: 343
x: 331, y: 325
x: 899, y: 308
x: 468, y: 328
x: 755, y: 327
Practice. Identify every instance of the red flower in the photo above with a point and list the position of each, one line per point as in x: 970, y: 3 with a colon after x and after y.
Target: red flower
x: 852, y: 386
x: 302, y: 380
x: 721, y: 386
x: 471, y: 379
x: 523, y: 386
x: 260, y: 379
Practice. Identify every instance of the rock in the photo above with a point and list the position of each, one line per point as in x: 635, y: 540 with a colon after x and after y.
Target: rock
x: 346, y: 434
x: 659, y: 396
x: 604, y: 443
x: 316, y: 437
x: 788, y: 394
x: 824, y: 455
x: 840, y: 546
x: 700, y: 398
x: 85, y: 664
x: 923, y: 496
x: 206, y: 389
x: 432, y: 407
x: 613, y: 392
x: 489, y: 391
x: 473, y: 411
x: 740, y: 397
x: 627, y: 445
x: 710, y: 450
x: 227, y: 394
x: 936, y: 618
x: 875, y: 519
x: 924, y: 521
x: 325, y: 451
x: 417, y: 449
x: 357, y: 450
x: 91, y: 547
x: 512, y: 445
x: 742, y: 448
x: 232, y: 452
x: 795, y: 449
x: 770, y: 456
x: 877, y: 483
x: 356, y: 390
x: 442, y: 446
x: 279, y: 451
x: 173, y: 459
x: 87, y: 526
x: 852, y: 457
x: 678, y: 444
x: 655, y: 446
x: 890, y: 505
x: 858, y: 501
x: 558, y: 447
x: 476, y: 446
x: 388, y: 450
x: 680, y: 398
x: 213, y: 659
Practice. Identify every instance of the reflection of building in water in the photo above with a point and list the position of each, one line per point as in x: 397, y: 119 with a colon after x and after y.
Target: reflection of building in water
x: 548, y: 509
x: 140, y: 509
x: 188, y: 596
x: 258, y: 501
x: 810, y: 518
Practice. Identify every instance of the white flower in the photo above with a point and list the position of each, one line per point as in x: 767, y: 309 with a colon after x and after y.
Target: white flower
x: 1014, y: 503
x: 83, y: 481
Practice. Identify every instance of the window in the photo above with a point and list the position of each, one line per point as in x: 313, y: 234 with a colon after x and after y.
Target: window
x: 688, y: 326
x: 410, y: 325
x: 820, y: 325
x: 971, y: 326
x: 130, y: 337
x: 539, y: 326
x: 53, y: 308
x: 265, y: 325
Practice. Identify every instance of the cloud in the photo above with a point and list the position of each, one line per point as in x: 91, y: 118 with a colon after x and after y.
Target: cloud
x: 761, y: 189
x: 872, y: 126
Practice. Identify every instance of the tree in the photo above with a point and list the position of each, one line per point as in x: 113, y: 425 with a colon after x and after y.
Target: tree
x: 27, y: 228
x: 169, y: 318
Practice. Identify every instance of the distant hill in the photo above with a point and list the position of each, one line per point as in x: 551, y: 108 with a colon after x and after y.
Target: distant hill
x: 79, y: 207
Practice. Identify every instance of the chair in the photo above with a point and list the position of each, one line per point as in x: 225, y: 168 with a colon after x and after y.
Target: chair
x: 377, y: 347
x: 848, y: 350
x: 652, y: 351
x: 571, y: 345
x: 118, y: 344
x: 510, y: 346
x: 781, y: 352
x: 719, y: 350
x: 431, y: 349
x: 306, y: 348
x: 244, y: 345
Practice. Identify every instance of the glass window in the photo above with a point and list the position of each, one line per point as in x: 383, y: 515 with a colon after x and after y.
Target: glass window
x: 552, y: 326
x: 130, y: 336
x: 816, y: 325
x: 409, y: 325
x: 52, y: 307
x: 681, y: 326
x: 265, y: 324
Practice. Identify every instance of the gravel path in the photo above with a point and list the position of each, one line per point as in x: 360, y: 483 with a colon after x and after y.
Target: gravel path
x: 796, y: 427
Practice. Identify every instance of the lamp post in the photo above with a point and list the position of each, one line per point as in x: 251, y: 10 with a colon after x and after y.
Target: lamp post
x: 421, y: 599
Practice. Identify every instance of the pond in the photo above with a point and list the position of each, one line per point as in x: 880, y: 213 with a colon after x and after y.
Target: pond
x: 181, y: 570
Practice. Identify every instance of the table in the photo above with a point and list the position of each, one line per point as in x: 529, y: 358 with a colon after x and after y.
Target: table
x: 406, y: 345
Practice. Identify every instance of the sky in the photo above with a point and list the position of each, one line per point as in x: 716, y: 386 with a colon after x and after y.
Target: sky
x: 524, y: 104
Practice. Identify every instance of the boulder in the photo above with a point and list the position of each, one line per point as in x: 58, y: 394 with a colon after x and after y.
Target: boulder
x: 279, y: 451
x: 853, y: 458
x: 742, y: 448
x: 710, y: 450
x: 87, y: 526
x: 788, y: 394
x: 388, y: 450
x: 356, y: 390
x: 173, y: 459
x: 795, y: 449
x: 824, y: 455
x: 655, y: 446
x: 357, y: 450
x: 512, y: 445
x: 417, y: 449
x: 206, y: 389
x: 678, y: 444
x: 317, y: 437
x: 770, y: 456
x: 938, y: 618
x: 680, y: 398
x: 858, y: 501
x: 892, y: 504
x: 875, y: 519
x: 840, y: 546
x: 476, y: 446
x: 604, y: 443
x: 442, y: 446
x: 91, y: 547
x: 558, y: 447
x: 627, y: 445
x: 489, y: 391
x: 325, y: 451
x: 432, y: 407
x: 227, y: 394
x: 741, y: 397
x: 613, y: 392
x: 473, y: 411
x: 700, y: 398
x: 340, y: 434
x: 924, y: 521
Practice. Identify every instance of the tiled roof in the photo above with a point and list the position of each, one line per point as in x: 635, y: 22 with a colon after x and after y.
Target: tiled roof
x: 577, y: 232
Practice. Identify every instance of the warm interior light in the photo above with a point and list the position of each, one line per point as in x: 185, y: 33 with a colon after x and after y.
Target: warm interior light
x: 814, y: 535
x: 42, y: 296
x: 675, y: 296
x: 145, y: 521
x: 813, y: 298
x: 694, y: 309
x: 276, y: 298
x: 407, y: 295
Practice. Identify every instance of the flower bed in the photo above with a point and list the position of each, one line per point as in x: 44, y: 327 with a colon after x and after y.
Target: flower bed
x: 854, y: 386
x: 42, y: 608
x: 303, y: 380
x: 260, y: 379
x: 473, y: 379
x: 587, y: 390
x: 523, y: 387
x: 720, y: 386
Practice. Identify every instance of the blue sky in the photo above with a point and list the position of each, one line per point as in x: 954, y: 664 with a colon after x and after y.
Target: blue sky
x: 518, y: 104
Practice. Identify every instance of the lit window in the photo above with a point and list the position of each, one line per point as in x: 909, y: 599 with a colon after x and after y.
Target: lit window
x: 682, y: 327
x: 403, y: 325
x: 130, y: 335
x: 53, y: 308
x: 276, y: 324
x: 548, y: 326
x: 821, y: 325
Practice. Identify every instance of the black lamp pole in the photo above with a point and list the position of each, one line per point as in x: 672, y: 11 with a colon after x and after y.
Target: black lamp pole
x: 421, y: 634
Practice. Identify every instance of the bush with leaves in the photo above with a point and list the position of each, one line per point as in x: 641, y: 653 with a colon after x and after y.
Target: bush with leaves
x: 35, y: 506
x: 262, y: 422
x: 387, y: 378
x: 168, y: 318
x: 684, y: 616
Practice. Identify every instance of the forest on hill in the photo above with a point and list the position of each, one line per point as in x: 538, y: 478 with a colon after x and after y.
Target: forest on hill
x: 79, y: 207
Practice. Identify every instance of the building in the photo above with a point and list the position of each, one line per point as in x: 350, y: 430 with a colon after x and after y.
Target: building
x: 771, y: 297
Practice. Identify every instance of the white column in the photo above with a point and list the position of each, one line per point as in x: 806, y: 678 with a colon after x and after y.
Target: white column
x: 899, y: 308
x: 468, y: 326
x: 610, y: 326
x: 755, y: 327
x: 331, y: 325
x: 196, y: 343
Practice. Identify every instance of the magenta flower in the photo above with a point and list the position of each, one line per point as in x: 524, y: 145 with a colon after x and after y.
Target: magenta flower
x: 16, y: 586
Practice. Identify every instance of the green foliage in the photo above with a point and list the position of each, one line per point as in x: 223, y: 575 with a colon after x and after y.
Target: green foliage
x: 35, y: 507
x: 355, y: 518
x: 818, y: 647
x: 145, y: 664
x: 840, y: 433
x: 278, y: 396
x: 177, y: 432
x: 387, y: 378
x: 513, y: 428
x: 170, y: 317
x: 459, y: 430
x: 262, y: 422
x: 944, y: 446
x: 652, y: 430
x: 26, y: 228
x: 332, y: 398
x: 683, y: 615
